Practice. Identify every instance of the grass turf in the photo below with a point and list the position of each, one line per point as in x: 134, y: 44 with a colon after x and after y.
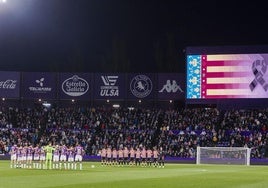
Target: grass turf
x: 173, y: 175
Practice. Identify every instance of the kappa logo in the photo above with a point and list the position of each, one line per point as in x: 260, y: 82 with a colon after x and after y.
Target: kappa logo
x: 109, y: 80
x: 168, y: 87
x: 141, y: 86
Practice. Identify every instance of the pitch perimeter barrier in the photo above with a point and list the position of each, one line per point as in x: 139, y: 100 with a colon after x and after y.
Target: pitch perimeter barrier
x: 178, y: 160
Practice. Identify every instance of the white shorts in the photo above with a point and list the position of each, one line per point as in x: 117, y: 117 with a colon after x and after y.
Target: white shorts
x: 78, y: 158
x: 13, y: 157
x: 70, y: 159
x: 56, y: 158
x: 42, y: 158
x: 29, y: 158
x: 63, y: 158
x: 19, y: 158
x: 36, y: 158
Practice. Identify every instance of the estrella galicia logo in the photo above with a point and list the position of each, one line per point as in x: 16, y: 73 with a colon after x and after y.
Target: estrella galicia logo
x: 141, y: 86
x: 75, y: 86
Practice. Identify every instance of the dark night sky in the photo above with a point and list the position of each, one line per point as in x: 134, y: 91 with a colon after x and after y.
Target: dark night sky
x: 91, y: 35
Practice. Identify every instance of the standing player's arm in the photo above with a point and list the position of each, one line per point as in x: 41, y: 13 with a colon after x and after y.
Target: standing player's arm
x: 83, y: 152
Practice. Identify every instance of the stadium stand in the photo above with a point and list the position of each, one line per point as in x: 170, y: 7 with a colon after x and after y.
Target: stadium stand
x: 179, y: 132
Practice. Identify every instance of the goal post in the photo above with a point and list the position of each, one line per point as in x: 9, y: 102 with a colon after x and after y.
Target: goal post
x: 223, y: 155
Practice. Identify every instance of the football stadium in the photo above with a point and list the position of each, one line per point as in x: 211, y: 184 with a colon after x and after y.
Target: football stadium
x: 149, y: 130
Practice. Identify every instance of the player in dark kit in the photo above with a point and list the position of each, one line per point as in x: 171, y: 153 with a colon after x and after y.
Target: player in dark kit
x: 161, y: 158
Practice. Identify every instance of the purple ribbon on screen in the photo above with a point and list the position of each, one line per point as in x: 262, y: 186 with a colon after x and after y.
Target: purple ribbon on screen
x: 259, y: 68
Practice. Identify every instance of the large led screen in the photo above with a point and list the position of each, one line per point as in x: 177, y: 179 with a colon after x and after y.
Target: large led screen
x: 227, y: 76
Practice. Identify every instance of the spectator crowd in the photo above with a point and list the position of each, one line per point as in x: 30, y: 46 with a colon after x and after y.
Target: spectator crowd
x: 179, y: 132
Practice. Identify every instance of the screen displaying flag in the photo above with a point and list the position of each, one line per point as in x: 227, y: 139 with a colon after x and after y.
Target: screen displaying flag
x: 227, y: 76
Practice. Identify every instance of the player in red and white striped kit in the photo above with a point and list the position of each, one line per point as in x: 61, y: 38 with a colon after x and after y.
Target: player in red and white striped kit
x: 132, y: 156
x: 103, y: 154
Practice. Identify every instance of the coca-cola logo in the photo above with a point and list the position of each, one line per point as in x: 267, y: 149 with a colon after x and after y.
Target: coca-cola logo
x: 75, y: 86
x: 8, y: 84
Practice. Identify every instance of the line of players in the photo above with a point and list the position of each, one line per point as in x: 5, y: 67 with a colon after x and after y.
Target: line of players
x: 28, y: 156
x: 130, y: 157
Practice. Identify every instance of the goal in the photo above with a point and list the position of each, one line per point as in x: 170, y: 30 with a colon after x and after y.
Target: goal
x: 223, y: 155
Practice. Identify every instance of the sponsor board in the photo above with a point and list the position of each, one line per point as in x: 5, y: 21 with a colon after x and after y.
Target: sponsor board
x: 141, y: 86
x: 39, y: 85
x: 9, y: 84
x: 75, y: 86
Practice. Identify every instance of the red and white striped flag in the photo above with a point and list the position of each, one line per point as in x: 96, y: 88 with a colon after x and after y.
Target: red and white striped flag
x: 234, y: 76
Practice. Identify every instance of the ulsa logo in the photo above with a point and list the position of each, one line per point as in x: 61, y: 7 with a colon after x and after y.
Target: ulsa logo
x: 109, y: 89
x: 75, y: 86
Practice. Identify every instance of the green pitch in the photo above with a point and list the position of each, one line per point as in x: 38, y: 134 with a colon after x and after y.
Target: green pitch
x: 173, y: 175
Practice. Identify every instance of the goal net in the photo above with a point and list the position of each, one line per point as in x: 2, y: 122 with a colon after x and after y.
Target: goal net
x: 223, y: 155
